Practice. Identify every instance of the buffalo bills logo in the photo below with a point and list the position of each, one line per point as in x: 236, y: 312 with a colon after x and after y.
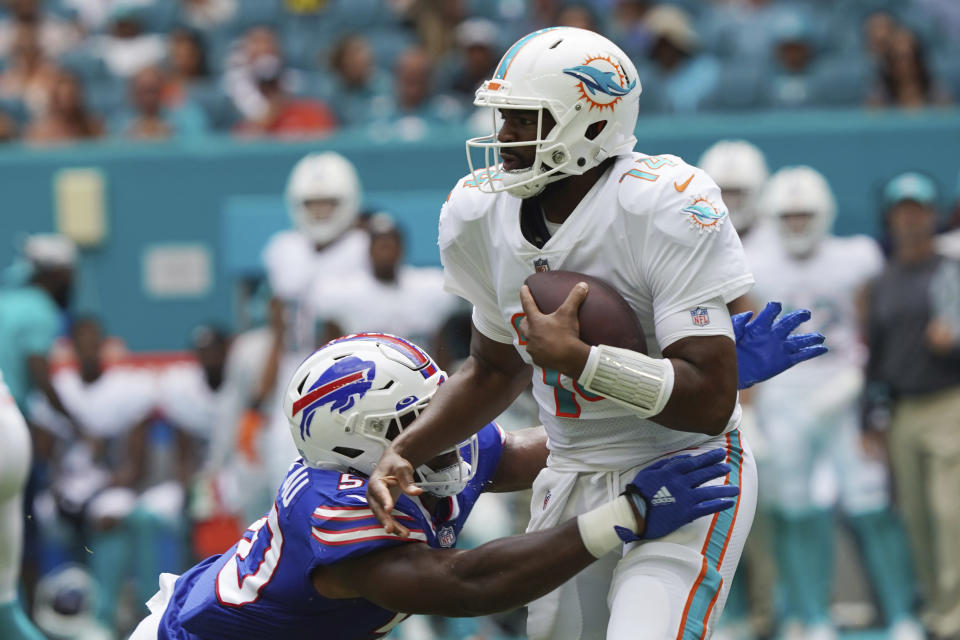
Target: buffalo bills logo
x: 341, y: 385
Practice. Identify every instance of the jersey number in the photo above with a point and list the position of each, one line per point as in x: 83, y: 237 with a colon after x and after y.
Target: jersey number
x: 565, y: 400
x: 242, y: 578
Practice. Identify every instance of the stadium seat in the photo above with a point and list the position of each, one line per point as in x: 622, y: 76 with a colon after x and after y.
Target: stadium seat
x: 743, y: 84
x: 841, y: 81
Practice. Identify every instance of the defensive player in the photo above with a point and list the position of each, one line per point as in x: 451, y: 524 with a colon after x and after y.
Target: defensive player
x: 318, y: 564
x: 14, y: 467
x: 810, y: 415
x: 571, y: 194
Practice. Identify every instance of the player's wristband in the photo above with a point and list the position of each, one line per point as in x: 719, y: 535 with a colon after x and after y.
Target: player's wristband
x: 598, y: 528
x: 630, y: 378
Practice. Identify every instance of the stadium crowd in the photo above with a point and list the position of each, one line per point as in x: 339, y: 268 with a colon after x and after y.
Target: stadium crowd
x: 152, y: 69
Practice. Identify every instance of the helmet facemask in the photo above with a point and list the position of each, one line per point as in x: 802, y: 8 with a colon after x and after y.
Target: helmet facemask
x: 551, y: 160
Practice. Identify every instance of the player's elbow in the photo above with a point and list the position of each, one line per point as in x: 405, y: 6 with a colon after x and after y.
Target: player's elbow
x: 717, y: 413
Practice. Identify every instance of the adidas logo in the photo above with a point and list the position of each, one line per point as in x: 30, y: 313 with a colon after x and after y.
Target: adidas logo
x: 662, y: 497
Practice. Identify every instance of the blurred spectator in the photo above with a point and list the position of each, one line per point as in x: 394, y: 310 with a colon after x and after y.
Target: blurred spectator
x: 149, y: 119
x: 285, y: 114
x: 240, y: 82
x: 186, y: 64
x: 878, y: 29
x: 125, y: 48
x: 913, y: 319
x: 793, y: 49
x: 415, y: 107
x: 66, y: 117
x: 904, y: 75
x: 55, y: 36
x: 577, y: 15
x: 627, y: 27
x: 402, y: 292
x: 29, y: 73
x: 207, y: 14
x: 687, y: 75
x: 436, y: 22
x: 948, y: 242
x: 474, y: 60
x: 361, y: 90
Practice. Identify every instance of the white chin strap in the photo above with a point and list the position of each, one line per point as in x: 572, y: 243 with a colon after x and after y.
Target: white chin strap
x: 522, y: 184
x: 451, y: 480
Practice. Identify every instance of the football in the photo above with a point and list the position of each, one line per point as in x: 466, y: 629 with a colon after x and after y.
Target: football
x: 605, y: 317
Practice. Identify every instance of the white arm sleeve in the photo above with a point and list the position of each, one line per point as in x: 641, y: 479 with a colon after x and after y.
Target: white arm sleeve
x: 466, y: 271
x: 709, y: 318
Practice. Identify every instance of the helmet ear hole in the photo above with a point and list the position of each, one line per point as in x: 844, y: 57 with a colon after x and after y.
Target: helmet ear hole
x: 594, y: 129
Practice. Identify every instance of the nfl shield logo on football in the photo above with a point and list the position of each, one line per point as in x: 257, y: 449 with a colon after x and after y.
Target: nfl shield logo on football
x: 541, y: 264
x: 446, y: 537
x: 700, y: 317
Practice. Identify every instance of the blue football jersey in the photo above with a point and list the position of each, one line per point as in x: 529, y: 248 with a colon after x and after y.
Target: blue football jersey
x: 261, y: 587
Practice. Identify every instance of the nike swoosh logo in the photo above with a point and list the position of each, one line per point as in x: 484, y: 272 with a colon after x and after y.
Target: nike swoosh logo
x: 683, y: 187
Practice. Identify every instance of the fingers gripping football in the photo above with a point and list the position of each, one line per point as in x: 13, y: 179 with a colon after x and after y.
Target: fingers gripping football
x: 553, y: 339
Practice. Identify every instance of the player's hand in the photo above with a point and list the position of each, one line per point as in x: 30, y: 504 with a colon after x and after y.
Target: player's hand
x: 392, y: 475
x: 673, y: 495
x: 553, y: 339
x: 766, y: 348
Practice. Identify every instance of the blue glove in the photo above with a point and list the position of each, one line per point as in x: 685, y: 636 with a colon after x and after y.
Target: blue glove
x: 669, y: 495
x: 765, y: 348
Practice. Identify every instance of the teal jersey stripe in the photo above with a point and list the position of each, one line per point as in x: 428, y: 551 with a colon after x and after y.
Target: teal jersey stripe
x: 709, y: 588
x: 512, y: 52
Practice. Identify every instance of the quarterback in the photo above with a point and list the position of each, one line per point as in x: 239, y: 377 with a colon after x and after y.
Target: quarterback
x: 557, y: 185
x: 319, y: 565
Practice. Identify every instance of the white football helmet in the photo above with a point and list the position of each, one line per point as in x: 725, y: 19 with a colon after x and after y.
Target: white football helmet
x: 354, y: 395
x: 582, y: 79
x: 740, y: 170
x: 800, y: 189
x: 320, y: 176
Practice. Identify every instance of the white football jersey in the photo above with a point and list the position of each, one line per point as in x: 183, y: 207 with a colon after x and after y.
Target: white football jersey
x: 654, y: 228
x: 827, y: 283
x: 296, y: 272
x: 185, y: 398
x: 415, y: 306
x: 108, y: 407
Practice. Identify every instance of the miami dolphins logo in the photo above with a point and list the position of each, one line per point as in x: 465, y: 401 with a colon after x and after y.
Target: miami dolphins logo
x: 703, y: 215
x: 602, y: 82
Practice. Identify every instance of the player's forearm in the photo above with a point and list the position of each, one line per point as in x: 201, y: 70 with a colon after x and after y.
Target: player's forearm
x: 471, y: 398
x: 507, y: 573
x: 699, y: 403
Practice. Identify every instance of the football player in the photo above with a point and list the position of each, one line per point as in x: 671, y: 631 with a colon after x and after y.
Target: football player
x: 810, y: 415
x: 319, y: 565
x: 14, y: 468
x: 323, y: 196
x: 569, y: 192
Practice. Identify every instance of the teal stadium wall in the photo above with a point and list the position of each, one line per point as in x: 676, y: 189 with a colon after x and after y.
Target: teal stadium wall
x: 225, y: 194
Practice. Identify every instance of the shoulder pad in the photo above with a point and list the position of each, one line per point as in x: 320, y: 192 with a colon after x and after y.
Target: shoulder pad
x: 649, y: 178
x: 465, y: 203
x: 681, y: 200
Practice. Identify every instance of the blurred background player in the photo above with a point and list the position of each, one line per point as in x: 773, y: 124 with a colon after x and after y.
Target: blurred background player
x: 14, y: 468
x: 913, y: 328
x: 96, y: 498
x: 740, y: 170
x: 323, y: 198
x: 809, y: 415
x: 389, y: 296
